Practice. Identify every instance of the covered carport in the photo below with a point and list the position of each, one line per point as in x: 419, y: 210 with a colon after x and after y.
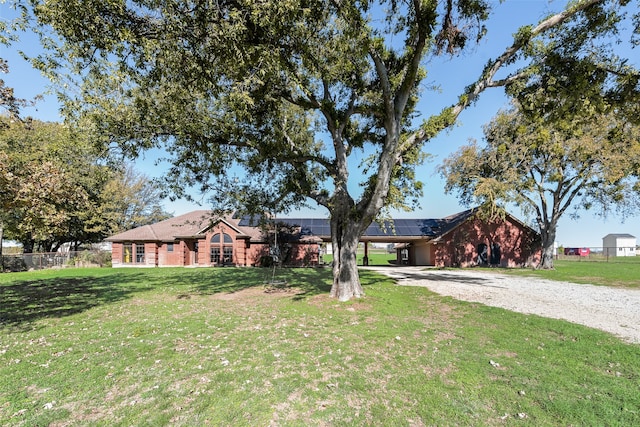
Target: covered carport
x: 410, y: 237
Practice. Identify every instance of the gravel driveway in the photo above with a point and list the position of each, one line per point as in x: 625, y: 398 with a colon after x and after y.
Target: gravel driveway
x: 609, y: 309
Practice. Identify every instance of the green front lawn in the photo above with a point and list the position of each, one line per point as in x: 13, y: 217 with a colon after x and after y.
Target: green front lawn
x: 377, y: 256
x: 619, y: 272
x: 122, y: 347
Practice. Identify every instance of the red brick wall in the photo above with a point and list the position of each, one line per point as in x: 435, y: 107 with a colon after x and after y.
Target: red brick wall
x: 300, y: 255
x: 255, y: 252
x: 304, y: 254
x: 518, y: 245
x: 151, y: 254
x: 174, y: 258
x: 116, y: 254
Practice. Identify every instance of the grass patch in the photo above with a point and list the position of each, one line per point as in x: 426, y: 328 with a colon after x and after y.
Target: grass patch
x: 377, y: 256
x: 623, y: 272
x: 215, y: 346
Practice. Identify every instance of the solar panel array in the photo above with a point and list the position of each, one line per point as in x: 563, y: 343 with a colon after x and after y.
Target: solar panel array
x: 398, y: 227
x: 322, y: 227
x: 310, y: 226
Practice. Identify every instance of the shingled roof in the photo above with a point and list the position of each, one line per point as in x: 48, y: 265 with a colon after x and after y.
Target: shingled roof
x: 195, y: 224
x: 190, y: 225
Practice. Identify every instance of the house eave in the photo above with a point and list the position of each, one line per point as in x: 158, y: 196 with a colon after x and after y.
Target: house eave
x: 189, y: 237
x: 123, y: 240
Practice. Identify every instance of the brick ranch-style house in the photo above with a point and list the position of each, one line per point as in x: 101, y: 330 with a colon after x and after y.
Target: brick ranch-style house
x: 198, y: 239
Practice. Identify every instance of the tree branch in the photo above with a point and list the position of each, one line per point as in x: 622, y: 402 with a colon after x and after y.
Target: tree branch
x: 413, y: 67
x: 449, y: 115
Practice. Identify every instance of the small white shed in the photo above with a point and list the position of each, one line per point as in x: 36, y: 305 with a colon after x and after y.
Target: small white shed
x: 619, y: 245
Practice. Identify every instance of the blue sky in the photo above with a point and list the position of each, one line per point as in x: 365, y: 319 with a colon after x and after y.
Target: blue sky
x: 451, y: 74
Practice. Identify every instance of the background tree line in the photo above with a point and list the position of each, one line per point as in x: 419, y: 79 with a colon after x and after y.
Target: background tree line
x: 57, y: 188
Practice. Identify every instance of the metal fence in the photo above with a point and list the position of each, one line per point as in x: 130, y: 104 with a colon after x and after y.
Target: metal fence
x: 45, y: 260
x: 604, y: 254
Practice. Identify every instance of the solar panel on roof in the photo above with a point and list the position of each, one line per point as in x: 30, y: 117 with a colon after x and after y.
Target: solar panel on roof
x: 398, y: 227
x: 309, y: 226
x: 250, y: 221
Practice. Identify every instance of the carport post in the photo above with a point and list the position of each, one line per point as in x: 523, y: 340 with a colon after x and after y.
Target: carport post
x: 365, y: 259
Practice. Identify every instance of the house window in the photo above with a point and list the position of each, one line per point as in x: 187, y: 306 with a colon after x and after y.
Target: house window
x: 140, y: 254
x: 169, y: 247
x: 215, y: 255
x: 404, y: 256
x: 224, y: 237
x: 127, y: 251
x: 482, y: 254
x: 221, y: 244
x: 228, y: 255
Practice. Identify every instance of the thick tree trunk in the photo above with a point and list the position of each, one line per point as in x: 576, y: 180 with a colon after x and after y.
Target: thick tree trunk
x: 345, y: 238
x: 548, y: 234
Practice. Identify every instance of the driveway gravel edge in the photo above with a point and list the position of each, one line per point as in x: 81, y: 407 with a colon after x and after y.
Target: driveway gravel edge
x: 609, y: 309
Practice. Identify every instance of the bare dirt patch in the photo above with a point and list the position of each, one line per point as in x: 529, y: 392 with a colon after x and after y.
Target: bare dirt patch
x: 258, y: 291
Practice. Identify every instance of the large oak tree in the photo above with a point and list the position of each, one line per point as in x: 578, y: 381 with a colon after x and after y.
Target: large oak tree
x: 290, y: 89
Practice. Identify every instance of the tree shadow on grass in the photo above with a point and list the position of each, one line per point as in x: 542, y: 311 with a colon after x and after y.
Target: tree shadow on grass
x: 316, y: 281
x: 309, y: 281
x: 23, y: 302
x: 26, y: 301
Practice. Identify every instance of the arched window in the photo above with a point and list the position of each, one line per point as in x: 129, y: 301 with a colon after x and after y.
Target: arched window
x: 221, y: 249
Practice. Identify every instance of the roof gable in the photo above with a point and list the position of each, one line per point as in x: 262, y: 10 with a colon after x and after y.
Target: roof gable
x: 456, y: 220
